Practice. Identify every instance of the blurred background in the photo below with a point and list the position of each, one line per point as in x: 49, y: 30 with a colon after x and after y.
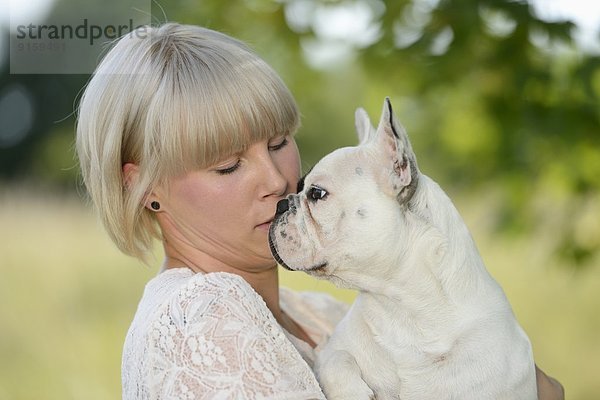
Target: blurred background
x: 500, y: 99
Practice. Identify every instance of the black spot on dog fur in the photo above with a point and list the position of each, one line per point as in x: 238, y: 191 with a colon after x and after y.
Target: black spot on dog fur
x: 358, y: 170
x: 300, y: 185
x: 361, y: 212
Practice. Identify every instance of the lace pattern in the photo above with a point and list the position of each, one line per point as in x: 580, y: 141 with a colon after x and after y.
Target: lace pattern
x: 212, y: 336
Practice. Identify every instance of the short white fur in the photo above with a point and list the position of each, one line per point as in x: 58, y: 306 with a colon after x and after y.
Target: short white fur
x: 429, y: 321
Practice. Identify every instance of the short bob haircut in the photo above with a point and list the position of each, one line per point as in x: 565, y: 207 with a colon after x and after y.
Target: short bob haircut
x: 171, y: 99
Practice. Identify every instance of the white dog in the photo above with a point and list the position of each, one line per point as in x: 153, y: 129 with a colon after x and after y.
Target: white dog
x: 429, y: 321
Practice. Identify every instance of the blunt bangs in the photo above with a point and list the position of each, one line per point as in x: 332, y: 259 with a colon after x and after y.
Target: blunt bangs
x: 210, y: 106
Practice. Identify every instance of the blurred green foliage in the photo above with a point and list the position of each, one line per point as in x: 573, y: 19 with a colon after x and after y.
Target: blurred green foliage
x: 494, y: 98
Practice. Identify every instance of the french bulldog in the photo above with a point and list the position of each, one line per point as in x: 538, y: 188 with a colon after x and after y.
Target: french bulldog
x: 429, y: 321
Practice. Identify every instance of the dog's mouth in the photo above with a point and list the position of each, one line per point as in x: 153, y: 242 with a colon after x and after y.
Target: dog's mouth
x: 276, y: 254
x: 317, y: 269
x: 273, y: 248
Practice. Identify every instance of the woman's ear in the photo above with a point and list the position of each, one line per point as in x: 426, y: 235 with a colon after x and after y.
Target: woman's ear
x: 131, y: 174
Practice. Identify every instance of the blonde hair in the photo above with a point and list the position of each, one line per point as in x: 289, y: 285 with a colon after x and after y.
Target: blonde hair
x: 171, y: 99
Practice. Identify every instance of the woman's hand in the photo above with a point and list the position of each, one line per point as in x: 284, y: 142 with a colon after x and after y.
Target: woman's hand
x: 548, y: 388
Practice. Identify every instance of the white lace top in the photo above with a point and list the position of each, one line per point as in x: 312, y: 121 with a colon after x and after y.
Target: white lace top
x: 211, y: 336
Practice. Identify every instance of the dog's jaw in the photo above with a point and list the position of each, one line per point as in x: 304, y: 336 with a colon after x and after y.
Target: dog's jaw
x: 275, y: 253
x: 318, y: 268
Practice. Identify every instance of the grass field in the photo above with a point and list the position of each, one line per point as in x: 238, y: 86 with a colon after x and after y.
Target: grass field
x: 67, y: 297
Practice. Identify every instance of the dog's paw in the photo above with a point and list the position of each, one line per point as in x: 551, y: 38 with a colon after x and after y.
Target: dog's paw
x: 357, y: 390
x: 341, y: 378
x: 351, y: 396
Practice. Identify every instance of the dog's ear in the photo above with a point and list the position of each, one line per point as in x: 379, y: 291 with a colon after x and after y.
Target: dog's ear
x: 364, y: 129
x: 393, y: 142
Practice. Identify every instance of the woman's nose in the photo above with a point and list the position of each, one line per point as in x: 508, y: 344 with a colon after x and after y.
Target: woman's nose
x: 275, y: 182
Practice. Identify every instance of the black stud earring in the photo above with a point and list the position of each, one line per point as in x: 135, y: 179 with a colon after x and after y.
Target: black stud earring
x: 155, y: 205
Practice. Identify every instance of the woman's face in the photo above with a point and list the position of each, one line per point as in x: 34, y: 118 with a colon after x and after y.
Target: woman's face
x: 224, y: 211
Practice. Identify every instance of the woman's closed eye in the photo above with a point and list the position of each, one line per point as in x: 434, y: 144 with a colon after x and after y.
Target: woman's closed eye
x: 278, y: 143
x: 228, y: 170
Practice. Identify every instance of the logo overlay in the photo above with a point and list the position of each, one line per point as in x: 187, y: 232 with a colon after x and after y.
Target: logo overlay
x: 72, y: 38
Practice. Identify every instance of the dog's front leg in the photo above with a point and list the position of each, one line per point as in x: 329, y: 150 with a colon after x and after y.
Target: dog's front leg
x: 341, y: 378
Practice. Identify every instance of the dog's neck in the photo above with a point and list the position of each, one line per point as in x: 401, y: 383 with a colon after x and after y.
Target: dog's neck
x: 434, y: 208
x: 442, y: 268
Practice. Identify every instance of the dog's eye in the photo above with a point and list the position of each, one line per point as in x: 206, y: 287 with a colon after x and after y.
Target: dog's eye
x: 316, y: 193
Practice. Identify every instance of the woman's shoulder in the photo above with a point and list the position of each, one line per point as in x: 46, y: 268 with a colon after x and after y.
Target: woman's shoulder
x: 216, y: 334
x: 181, y: 283
x: 209, y: 302
x: 181, y: 288
x: 184, y: 278
x: 178, y: 297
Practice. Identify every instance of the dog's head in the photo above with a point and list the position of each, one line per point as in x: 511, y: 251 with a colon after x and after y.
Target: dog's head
x: 349, y: 215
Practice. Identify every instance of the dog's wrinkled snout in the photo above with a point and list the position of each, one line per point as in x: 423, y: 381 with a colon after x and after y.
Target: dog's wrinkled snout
x: 282, y: 206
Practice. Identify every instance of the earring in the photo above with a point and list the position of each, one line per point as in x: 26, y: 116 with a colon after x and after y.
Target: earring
x: 155, y: 205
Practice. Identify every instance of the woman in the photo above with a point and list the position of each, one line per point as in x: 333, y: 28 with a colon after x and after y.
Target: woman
x: 186, y: 136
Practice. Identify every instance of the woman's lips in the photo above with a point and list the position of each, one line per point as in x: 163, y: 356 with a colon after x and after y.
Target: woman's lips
x: 265, y: 226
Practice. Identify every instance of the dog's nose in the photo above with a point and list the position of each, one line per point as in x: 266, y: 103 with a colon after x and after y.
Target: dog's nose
x: 282, y: 206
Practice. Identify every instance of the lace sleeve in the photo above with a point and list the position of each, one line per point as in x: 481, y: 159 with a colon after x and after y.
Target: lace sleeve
x: 217, y: 339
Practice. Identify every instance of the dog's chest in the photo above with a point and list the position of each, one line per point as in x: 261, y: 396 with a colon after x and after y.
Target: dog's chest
x: 394, y: 355
x: 394, y: 382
